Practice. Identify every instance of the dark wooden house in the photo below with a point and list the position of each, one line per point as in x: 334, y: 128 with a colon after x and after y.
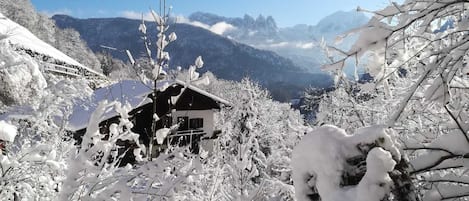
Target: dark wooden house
x: 192, y: 108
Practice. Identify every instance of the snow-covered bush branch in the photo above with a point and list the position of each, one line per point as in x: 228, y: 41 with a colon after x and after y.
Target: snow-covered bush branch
x: 328, y: 164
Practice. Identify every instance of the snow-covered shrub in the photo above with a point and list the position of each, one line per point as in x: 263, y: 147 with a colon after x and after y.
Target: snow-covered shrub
x: 20, y: 78
x: 31, y: 169
x: 34, y: 173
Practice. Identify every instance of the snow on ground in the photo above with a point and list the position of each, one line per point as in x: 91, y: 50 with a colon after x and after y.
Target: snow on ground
x: 7, y: 131
x: 320, y: 157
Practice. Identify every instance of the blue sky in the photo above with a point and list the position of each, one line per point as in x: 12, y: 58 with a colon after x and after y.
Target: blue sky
x: 285, y: 12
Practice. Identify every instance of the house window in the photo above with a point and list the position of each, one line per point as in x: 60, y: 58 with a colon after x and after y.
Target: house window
x: 183, y: 123
x: 196, y: 123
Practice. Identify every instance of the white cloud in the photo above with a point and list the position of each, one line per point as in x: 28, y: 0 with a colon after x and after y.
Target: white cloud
x: 196, y: 24
x: 305, y: 45
x: 221, y: 27
x: 63, y: 11
x: 136, y: 15
x: 277, y: 45
x: 183, y: 20
x: 284, y: 44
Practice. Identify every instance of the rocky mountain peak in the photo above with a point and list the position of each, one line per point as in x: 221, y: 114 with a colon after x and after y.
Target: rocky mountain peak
x: 261, y: 23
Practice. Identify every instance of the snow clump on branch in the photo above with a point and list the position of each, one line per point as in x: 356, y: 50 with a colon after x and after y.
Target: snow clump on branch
x: 320, y: 161
x: 7, y: 131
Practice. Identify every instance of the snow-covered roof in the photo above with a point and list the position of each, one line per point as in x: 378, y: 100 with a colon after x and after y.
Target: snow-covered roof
x: 19, y: 36
x: 133, y: 92
x: 205, y: 93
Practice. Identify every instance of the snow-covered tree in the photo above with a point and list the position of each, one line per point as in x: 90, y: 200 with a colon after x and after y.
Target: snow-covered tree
x: 158, y: 64
x: 241, y: 146
x: 112, y: 65
x: 251, y: 157
x: 417, y: 54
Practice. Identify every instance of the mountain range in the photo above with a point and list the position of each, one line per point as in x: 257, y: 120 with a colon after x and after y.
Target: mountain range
x: 300, y: 43
x: 284, y: 60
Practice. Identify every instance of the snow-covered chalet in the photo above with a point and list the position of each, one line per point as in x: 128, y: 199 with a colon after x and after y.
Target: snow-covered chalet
x: 177, y: 103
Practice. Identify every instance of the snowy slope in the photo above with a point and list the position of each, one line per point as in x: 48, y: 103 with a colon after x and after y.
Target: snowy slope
x: 21, y: 37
